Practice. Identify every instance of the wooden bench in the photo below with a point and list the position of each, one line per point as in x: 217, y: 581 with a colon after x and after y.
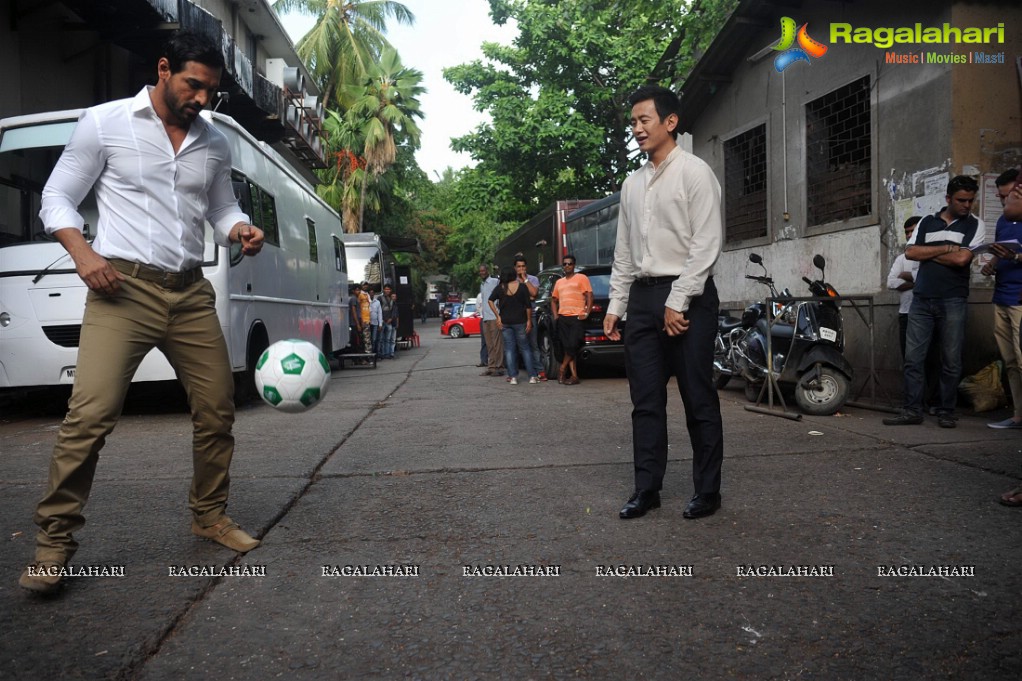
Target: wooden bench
x: 358, y: 360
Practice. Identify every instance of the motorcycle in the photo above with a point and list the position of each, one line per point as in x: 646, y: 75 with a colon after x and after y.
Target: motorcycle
x: 731, y: 329
x: 807, y: 341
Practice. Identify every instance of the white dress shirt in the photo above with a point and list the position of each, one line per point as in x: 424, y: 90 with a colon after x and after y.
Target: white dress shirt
x: 153, y: 203
x: 669, y: 224
x: 902, y: 264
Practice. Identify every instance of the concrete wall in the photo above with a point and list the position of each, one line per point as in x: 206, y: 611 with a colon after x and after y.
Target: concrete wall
x: 46, y: 67
x: 928, y: 123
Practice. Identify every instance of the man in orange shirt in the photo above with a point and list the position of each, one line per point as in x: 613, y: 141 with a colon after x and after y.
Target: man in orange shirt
x: 570, y: 302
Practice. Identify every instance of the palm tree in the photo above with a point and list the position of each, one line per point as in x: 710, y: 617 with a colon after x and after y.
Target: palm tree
x: 346, y: 40
x: 383, y: 110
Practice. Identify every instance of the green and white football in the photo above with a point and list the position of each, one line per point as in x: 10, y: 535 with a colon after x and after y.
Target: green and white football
x: 292, y: 375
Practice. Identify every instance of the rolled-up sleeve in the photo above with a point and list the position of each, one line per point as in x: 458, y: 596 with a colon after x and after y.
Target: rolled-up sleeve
x: 223, y: 212
x: 76, y: 171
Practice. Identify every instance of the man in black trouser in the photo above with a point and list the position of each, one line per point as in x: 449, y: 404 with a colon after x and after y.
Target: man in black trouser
x: 669, y: 238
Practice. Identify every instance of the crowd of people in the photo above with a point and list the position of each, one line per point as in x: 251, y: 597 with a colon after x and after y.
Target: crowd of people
x: 374, y: 320
x: 933, y: 277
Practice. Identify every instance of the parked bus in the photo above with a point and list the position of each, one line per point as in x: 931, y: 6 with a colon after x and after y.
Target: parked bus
x: 295, y: 288
x: 541, y: 240
x: 591, y: 231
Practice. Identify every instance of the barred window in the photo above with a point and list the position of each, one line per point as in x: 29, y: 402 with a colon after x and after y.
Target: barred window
x: 745, y: 186
x: 839, y: 155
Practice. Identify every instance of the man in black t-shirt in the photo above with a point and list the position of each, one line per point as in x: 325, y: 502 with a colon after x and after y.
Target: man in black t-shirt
x: 941, y: 244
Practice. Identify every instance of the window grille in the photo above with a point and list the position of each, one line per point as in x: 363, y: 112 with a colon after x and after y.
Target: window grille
x: 839, y: 155
x: 745, y: 186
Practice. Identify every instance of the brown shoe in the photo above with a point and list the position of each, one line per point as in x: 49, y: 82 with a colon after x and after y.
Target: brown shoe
x: 228, y: 533
x: 42, y: 578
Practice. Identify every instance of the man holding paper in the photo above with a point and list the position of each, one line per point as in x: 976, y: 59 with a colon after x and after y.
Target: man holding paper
x: 1007, y: 270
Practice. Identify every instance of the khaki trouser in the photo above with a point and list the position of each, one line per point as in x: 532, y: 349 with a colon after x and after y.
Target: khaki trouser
x: 1006, y: 332
x: 494, y: 346
x: 117, y: 332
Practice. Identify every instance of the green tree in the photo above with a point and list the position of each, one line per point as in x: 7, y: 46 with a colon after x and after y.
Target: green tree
x: 557, y: 96
x: 347, y: 39
x: 364, y: 140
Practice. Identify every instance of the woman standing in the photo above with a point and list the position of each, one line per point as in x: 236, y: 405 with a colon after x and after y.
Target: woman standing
x: 510, y: 302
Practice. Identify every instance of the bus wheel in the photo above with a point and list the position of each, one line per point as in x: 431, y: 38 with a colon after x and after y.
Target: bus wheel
x: 328, y: 349
x: 245, y: 387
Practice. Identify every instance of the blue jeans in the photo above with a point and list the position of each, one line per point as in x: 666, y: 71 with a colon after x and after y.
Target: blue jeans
x: 515, y: 340
x: 389, y: 340
x: 377, y: 340
x: 939, y: 320
x: 534, y: 346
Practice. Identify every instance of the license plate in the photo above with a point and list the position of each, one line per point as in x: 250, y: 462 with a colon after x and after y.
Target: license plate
x: 828, y: 334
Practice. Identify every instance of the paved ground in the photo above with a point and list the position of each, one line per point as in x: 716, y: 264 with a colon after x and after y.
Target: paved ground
x: 423, y: 463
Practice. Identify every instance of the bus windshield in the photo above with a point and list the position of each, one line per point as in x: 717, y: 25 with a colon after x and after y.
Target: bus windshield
x: 27, y: 156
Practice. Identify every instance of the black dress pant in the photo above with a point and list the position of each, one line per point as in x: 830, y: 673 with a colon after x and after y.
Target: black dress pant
x: 651, y: 358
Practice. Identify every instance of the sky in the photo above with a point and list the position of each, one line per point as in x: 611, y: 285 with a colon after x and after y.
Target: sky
x: 446, y: 33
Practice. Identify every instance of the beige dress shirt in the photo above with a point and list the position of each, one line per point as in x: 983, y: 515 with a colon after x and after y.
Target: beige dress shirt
x: 669, y: 225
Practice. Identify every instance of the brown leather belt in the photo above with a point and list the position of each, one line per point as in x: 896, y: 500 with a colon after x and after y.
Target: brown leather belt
x: 168, y: 280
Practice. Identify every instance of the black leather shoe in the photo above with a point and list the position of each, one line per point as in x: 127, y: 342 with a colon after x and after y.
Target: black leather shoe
x: 641, y: 502
x: 946, y: 420
x: 905, y: 419
x: 702, y: 505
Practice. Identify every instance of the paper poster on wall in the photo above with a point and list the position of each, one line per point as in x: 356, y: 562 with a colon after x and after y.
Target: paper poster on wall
x: 402, y: 280
x: 936, y: 184
x: 991, y: 207
x: 930, y: 204
x: 903, y: 210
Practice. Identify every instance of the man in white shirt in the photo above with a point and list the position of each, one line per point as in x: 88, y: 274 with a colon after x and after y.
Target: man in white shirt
x: 160, y: 172
x: 669, y: 237
x: 902, y: 278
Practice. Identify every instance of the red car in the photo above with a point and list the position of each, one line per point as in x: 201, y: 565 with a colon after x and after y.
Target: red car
x: 460, y: 327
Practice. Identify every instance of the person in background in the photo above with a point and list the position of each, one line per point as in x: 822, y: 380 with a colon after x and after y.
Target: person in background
x: 1013, y: 211
x: 390, y: 327
x: 941, y: 243
x: 365, y: 303
x: 375, y: 326
x: 491, y: 331
x: 146, y: 289
x: 902, y: 278
x: 570, y: 303
x: 532, y: 283
x: 1006, y: 267
x: 386, y: 309
x: 511, y: 303
x: 355, y: 319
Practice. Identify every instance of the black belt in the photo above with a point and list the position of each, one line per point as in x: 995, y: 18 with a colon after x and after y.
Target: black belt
x: 168, y: 280
x: 655, y: 281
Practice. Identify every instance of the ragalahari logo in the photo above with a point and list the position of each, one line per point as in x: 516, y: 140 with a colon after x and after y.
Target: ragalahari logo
x: 807, y: 47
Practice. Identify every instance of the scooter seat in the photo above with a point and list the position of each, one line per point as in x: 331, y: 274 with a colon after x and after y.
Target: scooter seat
x: 778, y: 330
x: 728, y: 323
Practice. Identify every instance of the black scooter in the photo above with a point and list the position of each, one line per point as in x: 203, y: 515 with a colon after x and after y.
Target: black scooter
x: 807, y: 341
x: 731, y: 330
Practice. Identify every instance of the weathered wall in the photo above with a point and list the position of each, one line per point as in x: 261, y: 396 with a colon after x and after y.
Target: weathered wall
x: 929, y: 122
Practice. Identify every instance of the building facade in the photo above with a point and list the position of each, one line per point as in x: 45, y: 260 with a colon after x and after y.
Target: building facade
x: 830, y: 153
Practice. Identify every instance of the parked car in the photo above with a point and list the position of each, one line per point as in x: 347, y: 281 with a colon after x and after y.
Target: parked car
x: 459, y: 327
x: 597, y: 349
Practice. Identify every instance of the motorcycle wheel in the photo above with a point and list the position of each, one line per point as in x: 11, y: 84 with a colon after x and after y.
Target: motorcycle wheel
x: 827, y: 398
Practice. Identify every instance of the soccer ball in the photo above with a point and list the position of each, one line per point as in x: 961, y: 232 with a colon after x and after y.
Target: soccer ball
x: 292, y: 375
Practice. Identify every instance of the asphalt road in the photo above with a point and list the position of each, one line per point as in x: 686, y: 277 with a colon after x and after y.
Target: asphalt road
x: 425, y: 470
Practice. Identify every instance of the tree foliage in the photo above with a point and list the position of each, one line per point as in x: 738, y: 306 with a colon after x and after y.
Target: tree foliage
x: 557, y: 96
